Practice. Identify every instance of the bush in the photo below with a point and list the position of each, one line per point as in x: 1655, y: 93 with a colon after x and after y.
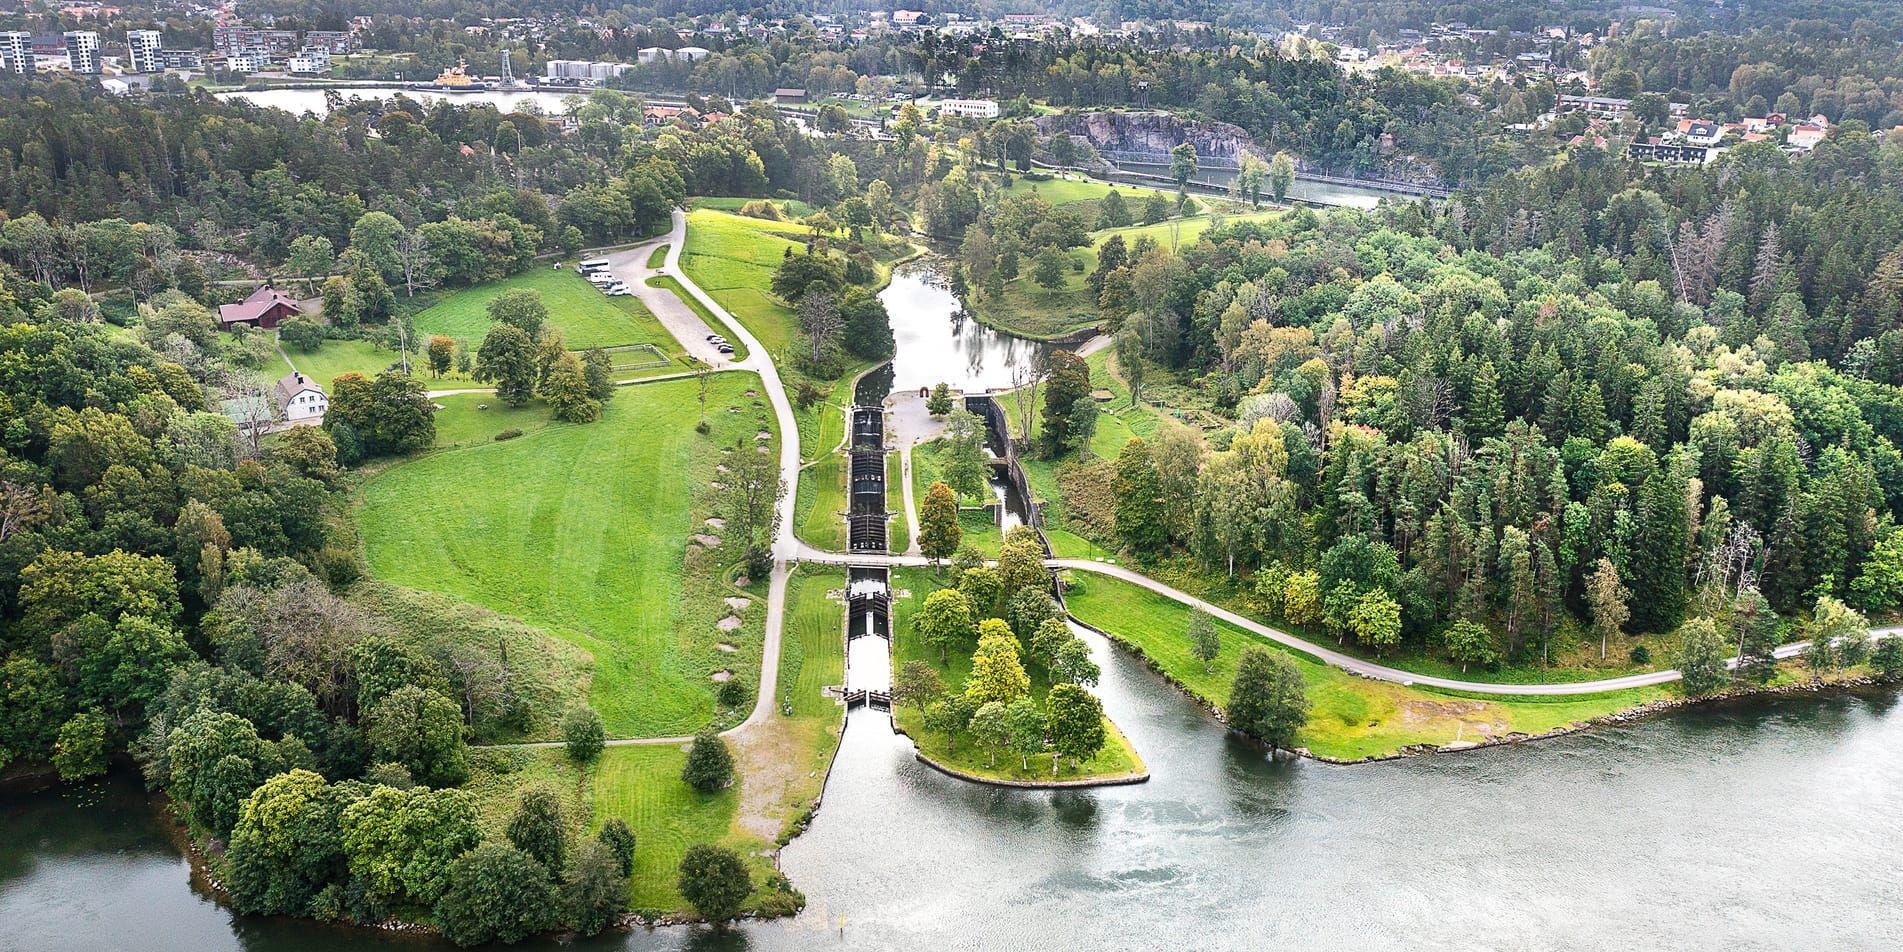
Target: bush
x: 508, y: 434
x: 1641, y: 654
x: 496, y: 894
x: 620, y: 840
x: 709, y: 766
x: 761, y: 208
x: 732, y: 692
x: 715, y: 881
x: 583, y: 733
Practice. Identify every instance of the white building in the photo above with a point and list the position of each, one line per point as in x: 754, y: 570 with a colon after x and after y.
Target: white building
x: 82, y: 51
x: 300, y: 400
x: 16, y: 47
x: 144, y: 47
x: 969, y: 108
x: 582, y: 70
x: 247, y: 62
x: 307, y: 65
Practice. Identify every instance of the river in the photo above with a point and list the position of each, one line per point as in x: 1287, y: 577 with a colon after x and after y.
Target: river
x: 1313, y: 193
x: 1769, y: 824
x: 311, y: 99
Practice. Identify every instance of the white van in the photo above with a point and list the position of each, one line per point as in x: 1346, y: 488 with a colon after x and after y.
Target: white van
x: 594, y: 264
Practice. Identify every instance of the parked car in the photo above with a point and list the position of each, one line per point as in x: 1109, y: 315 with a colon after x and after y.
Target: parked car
x: 725, y: 348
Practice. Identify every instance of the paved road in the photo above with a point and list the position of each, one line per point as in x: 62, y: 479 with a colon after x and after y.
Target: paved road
x: 631, y: 266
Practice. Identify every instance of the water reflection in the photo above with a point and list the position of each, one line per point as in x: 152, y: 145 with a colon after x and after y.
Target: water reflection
x: 297, y: 101
x: 938, y: 343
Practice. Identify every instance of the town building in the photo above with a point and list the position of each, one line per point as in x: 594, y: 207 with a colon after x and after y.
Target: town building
x: 788, y: 94
x: 582, y: 71
x: 143, y: 48
x: 307, y: 64
x: 969, y: 108
x: 16, y: 51
x: 266, y: 307
x: 82, y: 51
x: 182, y: 59
x: 300, y: 401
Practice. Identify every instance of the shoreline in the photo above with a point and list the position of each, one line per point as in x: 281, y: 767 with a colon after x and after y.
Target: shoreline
x: 1632, y: 714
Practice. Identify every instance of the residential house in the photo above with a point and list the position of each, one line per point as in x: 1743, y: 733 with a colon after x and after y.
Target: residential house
x: 300, y: 401
x: 785, y: 95
x: 265, y: 307
x: 1806, y: 137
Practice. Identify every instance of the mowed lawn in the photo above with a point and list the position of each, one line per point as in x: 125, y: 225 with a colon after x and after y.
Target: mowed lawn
x: 586, y: 317
x: 732, y: 258
x: 1350, y: 717
x: 343, y: 356
x: 583, y: 530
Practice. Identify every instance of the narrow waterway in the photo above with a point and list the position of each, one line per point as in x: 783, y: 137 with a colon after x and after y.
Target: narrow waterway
x: 311, y: 99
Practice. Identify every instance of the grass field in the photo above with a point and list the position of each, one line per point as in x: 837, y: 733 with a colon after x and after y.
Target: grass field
x: 821, y: 503
x: 898, y: 531
x: 733, y: 259
x: 980, y: 526
x: 1350, y: 717
x: 1117, y: 758
x: 784, y: 760
x: 347, y: 356
x: 586, y: 317
x: 584, y: 531
x: 1068, y: 191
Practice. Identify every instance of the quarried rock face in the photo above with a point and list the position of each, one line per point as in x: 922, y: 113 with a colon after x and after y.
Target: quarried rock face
x: 1153, y: 132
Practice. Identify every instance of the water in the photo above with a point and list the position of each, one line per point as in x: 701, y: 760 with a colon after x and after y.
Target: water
x: 1763, y: 825
x: 938, y: 343
x: 311, y: 100
x: 1313, y: 193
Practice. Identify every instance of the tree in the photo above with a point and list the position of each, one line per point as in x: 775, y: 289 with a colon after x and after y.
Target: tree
x: 520, y: 308
x: 991, y: 729
x: 945, y: 620
x: 801, y: 274
x: 1607, y: 599
x: 1076, y: 724
x: 709, y: 766
x: 1025, y: 725
x: 507, y: 359
x: 1249, y: 178
x: 822, y: 321
x: 1182, y: 168
x: 751, y: 498
x: 400, y: 844
x: 1281, y: 176
x: 918, y: 685
x: 1701, y: 661
x: 599, y: 369
x: 81, y: 749
x: 597, y: 889
x: 422, y: 730
x: 496, y: 893
x: 1376, y: 620
x: 1204, y: 641
x: 1471, y: 643
x: 1048, y: 272
x: 537, y: 828
x: 1072, y: 664
x: 620, y: 842
x: 964, y: 454
x: 938, y: 529
x: 286, y: 846
x: 1142, y: 517
x: 582, y: 733
x: 940, y: 402
x: 1155, y: 208
x: 565, y: 387
x: 714, y: 880
x: 1839, y: 636
x: 1886, y: 658
x: 1111, y: 212
x: 949, y: 716
x: 1067, y: 382
x: 311, y: 258
x: 301, y: 334
x: 1269, y: 700
x: 442, y: 352
x: 996, y: 672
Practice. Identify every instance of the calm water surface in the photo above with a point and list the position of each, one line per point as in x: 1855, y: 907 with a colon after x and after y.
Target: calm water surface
x: 938, y: 343
x: 1767, y: 825
x: 312, y: 100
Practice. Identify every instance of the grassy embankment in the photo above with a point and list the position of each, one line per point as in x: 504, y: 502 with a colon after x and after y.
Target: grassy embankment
x: 1117, y: 759
x: 733, y: 258
x: 898, y: 529
x: 544, y: 528
x: 820, y: 505
x: 1029, y: 309
x: 1351, y: 717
